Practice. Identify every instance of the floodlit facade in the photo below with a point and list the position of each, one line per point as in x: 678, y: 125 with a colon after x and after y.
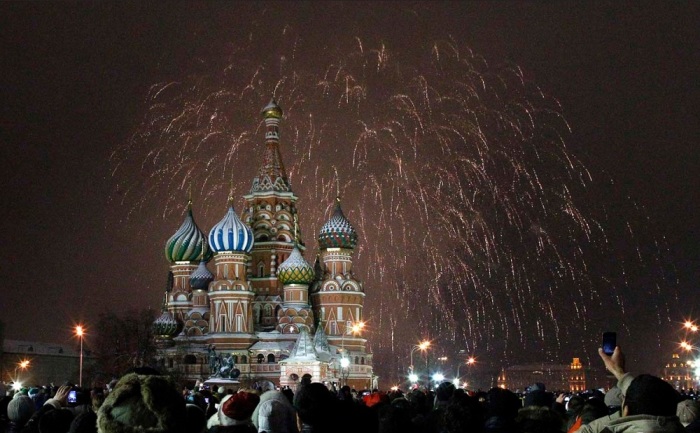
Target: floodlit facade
x: 262, y: 312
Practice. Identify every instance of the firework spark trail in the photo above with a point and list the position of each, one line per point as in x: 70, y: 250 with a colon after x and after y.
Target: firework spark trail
x: 457, y: 178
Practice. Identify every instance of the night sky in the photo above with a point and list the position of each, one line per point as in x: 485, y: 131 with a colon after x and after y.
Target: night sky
x: 88, y: 90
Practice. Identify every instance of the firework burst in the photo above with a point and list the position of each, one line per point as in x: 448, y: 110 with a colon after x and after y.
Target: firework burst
x: 476, y: 224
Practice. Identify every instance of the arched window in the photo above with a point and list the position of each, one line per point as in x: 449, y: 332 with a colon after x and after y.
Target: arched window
x: 261, y: 358
x: 189, y: 359
x: 271, y: 358
x: 362, y: 361
x: 170, y: 362
x: 261, y: 270
x: 357, y: 360
x: 244, y: 359
x: 235, y: 359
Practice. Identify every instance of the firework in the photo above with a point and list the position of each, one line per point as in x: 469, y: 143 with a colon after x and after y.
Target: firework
x: 478, y: 227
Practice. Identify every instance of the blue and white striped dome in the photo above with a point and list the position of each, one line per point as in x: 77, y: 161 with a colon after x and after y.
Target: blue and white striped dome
x: 231, y: 234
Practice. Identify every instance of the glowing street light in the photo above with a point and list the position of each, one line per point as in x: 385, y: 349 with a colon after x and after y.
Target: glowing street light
x: 79, y: 331
x: 422, y: 346
x: 22, y: 365
x: 438, y: 377
x: 413, y: 377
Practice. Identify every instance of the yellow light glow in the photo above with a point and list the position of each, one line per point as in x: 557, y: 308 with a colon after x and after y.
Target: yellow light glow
x: 424, y: 345
x: 79, y: 331
x: 471, y: 360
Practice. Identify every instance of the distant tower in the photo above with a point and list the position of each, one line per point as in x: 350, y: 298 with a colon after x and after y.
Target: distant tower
x: 338, y: 298
x: 295, y: 274
x: 183, y: 250
x: 270, y: 211
x: 197, y: 319
x: 230, y: 293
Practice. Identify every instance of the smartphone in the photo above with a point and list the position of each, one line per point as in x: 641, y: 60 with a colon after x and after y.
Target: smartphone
x: 609, y: 342
x: 72, y: 396
x: 206, y: 400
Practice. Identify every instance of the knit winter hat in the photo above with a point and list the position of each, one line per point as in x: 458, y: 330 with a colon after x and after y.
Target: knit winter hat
x: 142, y: 404
x: 688, y: 411
x: 613, y: 397
x: 238, y: 408
x: 271, y: 417
x: 20, y: 409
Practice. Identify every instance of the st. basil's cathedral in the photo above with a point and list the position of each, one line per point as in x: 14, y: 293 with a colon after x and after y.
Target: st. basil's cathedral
x: 264, y: 310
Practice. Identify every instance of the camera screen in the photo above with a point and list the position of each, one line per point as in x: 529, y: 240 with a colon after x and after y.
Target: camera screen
x: 72, y: 397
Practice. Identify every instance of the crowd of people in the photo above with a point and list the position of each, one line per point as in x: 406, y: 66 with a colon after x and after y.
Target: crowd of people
x: 146, y: 402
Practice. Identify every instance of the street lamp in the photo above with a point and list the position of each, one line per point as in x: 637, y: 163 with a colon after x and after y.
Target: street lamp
x: 355, y: 328
x: 22, y: 365
x: 469, y: 362
x: 422, y: 346
x: 79, y: 331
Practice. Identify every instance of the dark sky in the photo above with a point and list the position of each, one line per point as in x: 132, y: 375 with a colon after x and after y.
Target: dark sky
x: 74, y: 86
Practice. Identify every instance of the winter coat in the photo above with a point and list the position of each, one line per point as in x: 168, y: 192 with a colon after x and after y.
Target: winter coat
x: 646, y: 424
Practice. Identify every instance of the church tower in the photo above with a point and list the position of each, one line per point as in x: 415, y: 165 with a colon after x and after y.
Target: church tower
x: 231, y: 294
x: 270, y: 211
x: 295, y: 274
x: 183, y: 250
x: 338, y: 298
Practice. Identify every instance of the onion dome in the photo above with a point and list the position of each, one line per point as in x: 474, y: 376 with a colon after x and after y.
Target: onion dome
x: 201, y: 277
x: 272, y: 110
x: 337, y: 232
x: 231, y: 234
x: 166, y: 325
x: 187, y: 244
x: 295, y: 270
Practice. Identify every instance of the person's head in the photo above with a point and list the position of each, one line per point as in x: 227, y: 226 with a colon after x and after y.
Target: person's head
x: 649, y: 395
x: 20, y: 409
x: 462, y: 414
x: 593, y: 409
x: 502, y: 403
x: 56, y: 421
x: 314, y: 404
x: 688, y: 411
x: 575, y: 404
x: 142, y: 402
x: 538, y: 419
x: 444, y: 391
x: 238, y: 408
x: 86, y: 422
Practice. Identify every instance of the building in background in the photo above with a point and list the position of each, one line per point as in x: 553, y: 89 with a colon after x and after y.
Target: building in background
x: 33, y: 363
x: 557, y: 377
x: 679, y: 373
x: 264, y: 313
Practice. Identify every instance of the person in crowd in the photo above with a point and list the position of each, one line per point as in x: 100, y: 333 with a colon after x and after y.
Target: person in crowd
x: 462, y: 414
x: 502, y: 408
x: 275, y: 414
x: 143, y: 403
x: 19, y: 410
x: 687, y: 411
x: 539, y: 419
x: 649, y: 403
x: 234, y: 414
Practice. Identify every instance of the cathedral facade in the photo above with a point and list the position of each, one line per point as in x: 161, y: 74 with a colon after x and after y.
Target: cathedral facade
x: 262, y: 312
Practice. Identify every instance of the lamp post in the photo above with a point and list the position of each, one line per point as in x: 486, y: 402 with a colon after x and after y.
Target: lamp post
x: 423, y: 347
x: 470, y: 361
x: 22, y: 365
x: 79, y: 331
x: 355, y: 328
